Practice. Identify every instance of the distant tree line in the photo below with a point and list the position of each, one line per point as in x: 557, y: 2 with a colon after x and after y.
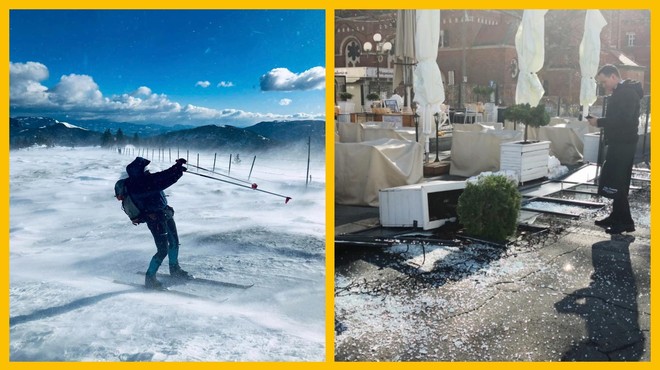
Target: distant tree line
x: 27, y: 141
x: 119, y: 139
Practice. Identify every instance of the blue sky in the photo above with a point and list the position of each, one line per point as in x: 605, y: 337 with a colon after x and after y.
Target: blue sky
x: 158, y: 66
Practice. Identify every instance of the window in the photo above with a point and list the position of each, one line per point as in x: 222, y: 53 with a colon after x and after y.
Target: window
x: 450, y: 78
x: 631, y: 38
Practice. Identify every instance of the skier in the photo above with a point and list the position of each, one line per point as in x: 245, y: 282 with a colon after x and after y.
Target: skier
x: 146, y: 190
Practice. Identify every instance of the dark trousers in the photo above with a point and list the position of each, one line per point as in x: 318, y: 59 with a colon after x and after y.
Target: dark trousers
x: 163, y: 229
x: 621, y: 210
x: 617, y: 171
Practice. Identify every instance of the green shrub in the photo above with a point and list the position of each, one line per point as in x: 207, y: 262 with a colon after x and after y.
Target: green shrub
x: 483, y: 92
x: 345, y: 96
x: 373, y: 96
x: 489, y: 207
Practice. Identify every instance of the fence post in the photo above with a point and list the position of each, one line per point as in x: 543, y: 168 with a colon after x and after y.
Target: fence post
x: 214, y: 157
x: 251, y: 167
x: 229, y: 170
x: 309, y: 150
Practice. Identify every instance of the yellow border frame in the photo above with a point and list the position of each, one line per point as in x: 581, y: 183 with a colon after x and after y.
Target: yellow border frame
x: 330, y: 7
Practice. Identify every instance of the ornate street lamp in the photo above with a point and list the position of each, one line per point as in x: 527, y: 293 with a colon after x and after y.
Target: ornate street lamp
x: 437, y: 127
x: 416, y: 118
x: 382, y: 48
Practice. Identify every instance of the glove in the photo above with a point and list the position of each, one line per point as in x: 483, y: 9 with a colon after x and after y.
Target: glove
x: 179, y: 164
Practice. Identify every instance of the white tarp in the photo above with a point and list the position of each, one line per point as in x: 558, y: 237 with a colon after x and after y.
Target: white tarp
x: 429, y: 92
x: 565, y: 144
x: 474, y: 152
x: 358, y: 132
x: 362, y: 169
x: 590, y: 58
x: 530, y: 46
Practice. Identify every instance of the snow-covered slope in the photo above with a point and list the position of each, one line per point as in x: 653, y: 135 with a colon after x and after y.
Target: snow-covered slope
x: 69, y: 240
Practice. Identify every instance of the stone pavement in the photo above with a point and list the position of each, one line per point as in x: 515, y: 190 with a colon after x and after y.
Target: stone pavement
x: 579, y: 295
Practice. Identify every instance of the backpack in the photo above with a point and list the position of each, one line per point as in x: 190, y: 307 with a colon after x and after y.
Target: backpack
x: 127, y: 204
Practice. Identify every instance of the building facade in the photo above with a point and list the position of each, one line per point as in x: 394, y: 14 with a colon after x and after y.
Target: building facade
x: 477, y: 48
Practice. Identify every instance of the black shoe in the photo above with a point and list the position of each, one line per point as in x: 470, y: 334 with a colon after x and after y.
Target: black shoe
x: 177, y: 272
x: 607, y: 221
x: 150, y: 282
x: 620, y: 228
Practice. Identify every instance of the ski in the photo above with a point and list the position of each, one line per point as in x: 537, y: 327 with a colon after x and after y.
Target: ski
x: 202, y: 281
x: 163, y: 290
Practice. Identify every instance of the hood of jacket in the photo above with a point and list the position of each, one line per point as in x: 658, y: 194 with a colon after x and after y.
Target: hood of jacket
x: 136, y: 168
x: 633, y: 85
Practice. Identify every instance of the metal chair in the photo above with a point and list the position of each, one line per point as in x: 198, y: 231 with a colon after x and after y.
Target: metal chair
x: 445, y: 119
x: 471, y: 111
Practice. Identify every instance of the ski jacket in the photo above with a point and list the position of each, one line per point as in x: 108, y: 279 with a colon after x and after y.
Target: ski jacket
x: 622, y: 116
x: 146, y: 188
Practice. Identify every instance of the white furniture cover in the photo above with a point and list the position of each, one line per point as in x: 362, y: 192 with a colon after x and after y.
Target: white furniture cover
x: 474, y: 152
x: 362, y: 169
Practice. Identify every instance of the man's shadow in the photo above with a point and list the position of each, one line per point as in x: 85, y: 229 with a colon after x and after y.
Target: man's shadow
x: 608, y: 306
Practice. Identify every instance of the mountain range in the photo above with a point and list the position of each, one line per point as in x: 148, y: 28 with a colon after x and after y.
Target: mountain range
x: 27, y: 131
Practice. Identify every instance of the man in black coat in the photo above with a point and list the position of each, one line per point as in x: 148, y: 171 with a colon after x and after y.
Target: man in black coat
x: 146, y: 190
x: 620, y: 126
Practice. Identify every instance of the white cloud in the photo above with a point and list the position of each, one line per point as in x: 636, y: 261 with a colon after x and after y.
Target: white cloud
x: 203, y: 84
x: 25, y: 87
x: 28, y: 71
x: 225, y: 84
x: 142, y: 91
x: 74, y: 90
x: 285, y: 101
x: 281, y: 79
x: 79, y: 97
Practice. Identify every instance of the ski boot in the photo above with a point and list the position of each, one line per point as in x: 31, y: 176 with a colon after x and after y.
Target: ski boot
x: 150, y: 282
x: 177, y: 272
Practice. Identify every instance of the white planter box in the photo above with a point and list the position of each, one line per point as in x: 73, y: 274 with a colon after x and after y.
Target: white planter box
x: 490, y: 112
x: 591, y: 147
x: 346, y: 107
x: 529, y: 161
x: 344, y: 118
x: 428, y: 205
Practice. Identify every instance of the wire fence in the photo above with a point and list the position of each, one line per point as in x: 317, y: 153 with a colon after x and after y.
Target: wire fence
x: 302, y: 168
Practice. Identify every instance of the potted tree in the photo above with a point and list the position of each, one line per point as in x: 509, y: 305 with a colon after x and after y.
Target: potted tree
x: 524, y: 113
x: 483, y: 93
x: 374, y: 100
x: 529, y: 159
x: 345, y: 106
x: 517, y: 113
x: 345, y: 96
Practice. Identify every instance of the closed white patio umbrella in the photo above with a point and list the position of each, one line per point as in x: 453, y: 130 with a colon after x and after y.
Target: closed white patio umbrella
x: 427, y: 82
x: 404, y: 50
x: 590, y: 58
x: 530, y: 46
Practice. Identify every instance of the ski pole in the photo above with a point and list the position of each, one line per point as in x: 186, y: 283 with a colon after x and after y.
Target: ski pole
x: 207, y: 170
x: 253, y: 186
